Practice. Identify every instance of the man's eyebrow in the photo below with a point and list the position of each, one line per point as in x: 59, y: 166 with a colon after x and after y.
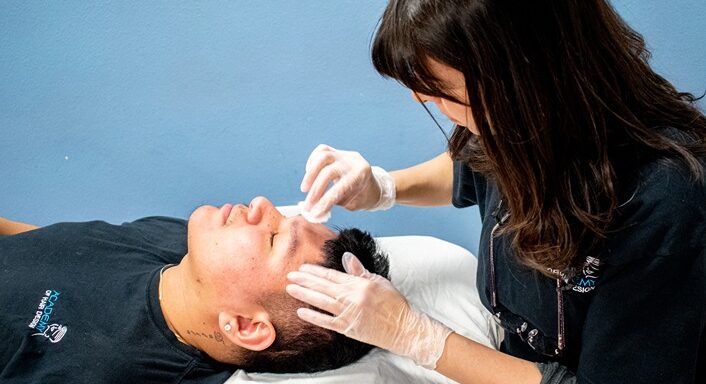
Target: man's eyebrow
x: 293, y: 238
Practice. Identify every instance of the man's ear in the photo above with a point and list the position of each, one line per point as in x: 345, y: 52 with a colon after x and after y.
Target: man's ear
x: 250, y: 331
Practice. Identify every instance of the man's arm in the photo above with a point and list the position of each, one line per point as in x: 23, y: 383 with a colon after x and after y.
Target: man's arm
x: 9, y: 227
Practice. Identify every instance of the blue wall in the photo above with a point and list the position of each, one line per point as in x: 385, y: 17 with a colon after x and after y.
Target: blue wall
x: 118, y: 110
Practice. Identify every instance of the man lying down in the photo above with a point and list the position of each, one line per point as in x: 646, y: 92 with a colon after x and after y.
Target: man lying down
x: 163, y: 300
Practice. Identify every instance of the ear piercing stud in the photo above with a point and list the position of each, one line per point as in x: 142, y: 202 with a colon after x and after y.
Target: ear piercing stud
x: 227, y: 327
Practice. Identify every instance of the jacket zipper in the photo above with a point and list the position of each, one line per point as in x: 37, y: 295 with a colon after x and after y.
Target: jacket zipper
x: 493, y: 297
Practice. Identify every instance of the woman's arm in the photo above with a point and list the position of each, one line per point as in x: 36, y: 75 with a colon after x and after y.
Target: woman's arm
x: 466, y: 361
x: 426, y: 184
x: 9, y: 227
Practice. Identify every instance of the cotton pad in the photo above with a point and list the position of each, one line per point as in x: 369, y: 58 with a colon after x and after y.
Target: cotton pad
x: 289, y: 210
x: 311, y: 218
x: 295, y: 210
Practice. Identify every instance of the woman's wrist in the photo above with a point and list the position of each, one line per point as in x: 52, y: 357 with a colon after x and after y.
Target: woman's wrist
x: 386, y: 184
x: 421, y: 338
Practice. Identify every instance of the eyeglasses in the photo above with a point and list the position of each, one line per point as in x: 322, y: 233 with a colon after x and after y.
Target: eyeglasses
x: 543, y: 344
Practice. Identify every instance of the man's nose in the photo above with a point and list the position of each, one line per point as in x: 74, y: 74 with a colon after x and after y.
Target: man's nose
x: 261, y: 210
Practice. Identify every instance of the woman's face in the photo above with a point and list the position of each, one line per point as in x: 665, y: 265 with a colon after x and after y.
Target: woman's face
x: 455, y: 85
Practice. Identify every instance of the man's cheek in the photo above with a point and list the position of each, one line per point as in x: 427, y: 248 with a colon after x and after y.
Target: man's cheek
x: 259, y: 277
x: 239, y: 257
x: 255, y: 285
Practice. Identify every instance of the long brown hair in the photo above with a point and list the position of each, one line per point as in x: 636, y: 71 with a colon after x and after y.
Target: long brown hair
x: 564, y: 99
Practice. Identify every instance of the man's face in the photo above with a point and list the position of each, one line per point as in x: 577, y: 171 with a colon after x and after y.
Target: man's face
x: 240, y: 255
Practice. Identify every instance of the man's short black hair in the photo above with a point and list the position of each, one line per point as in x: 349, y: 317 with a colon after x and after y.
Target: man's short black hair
x: 303, y: 347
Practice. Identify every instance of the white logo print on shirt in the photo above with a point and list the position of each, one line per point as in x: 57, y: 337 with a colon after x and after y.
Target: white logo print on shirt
x: 582, y: 282
x: 54, y: 332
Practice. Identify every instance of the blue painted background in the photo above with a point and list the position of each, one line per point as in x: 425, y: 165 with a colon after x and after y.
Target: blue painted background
x: 118, y: 110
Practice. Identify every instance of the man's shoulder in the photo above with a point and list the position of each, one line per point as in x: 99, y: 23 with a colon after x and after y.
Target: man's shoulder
x: 158, y: 223
x: 156, y: 233
x: 161, y: 234
x: 145, y: 225
x: 103, y: 228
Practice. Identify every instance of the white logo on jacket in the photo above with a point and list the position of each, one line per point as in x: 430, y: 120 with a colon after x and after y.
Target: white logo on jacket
x: 45, y: 310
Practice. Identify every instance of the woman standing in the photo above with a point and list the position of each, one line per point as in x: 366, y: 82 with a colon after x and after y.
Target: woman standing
x: 588, y: 169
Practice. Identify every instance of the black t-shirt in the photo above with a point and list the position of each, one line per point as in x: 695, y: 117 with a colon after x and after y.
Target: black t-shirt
x: 80, y: 305
x: 637, y: 310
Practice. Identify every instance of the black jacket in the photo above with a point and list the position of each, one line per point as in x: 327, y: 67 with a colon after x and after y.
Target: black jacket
x: 637, y: 311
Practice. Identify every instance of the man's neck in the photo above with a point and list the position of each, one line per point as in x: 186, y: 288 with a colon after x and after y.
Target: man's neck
x: 185, y: 314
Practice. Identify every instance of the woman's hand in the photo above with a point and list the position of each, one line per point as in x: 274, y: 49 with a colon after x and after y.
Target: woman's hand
x: 366, y: 307
x: 356, y: 185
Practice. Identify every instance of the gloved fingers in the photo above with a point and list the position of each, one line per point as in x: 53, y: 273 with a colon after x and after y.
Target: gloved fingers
x: 327, y: 273
x: 317, y: 161
x: 352, y: 265
x: 319, y: 148
x: 330, y: 173
x: 314, y: 298
x: 318, y: 318
x: 314, y: 282
x: 341, y: 193
x: 326, y: 203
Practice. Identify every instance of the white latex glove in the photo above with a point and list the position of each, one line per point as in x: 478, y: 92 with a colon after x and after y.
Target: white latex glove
x: 366, y: 307
x: 356, y: 185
